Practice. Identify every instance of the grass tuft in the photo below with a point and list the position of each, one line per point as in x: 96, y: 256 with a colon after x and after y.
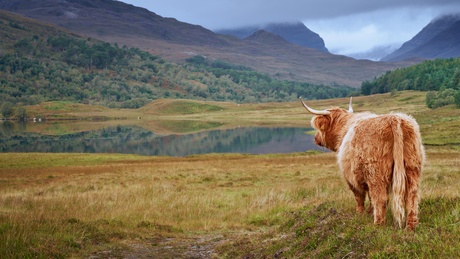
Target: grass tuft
x: 331, y: 231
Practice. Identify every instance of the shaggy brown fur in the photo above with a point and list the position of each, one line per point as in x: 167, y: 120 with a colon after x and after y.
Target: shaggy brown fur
x: 377, y: 154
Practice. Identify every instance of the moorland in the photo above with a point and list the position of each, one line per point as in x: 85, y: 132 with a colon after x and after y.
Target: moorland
x: 221, y: 205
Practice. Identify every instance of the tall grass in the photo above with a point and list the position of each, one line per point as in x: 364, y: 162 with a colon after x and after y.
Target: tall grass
x: 105, y: 198
x: 96, y: 204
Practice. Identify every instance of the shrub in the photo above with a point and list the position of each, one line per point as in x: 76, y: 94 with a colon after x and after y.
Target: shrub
x: 442, y: 98
x: 21, y: 113
x: 7, y: 110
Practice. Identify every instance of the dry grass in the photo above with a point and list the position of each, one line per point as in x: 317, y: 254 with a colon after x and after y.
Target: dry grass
x: 195, y: 193
x: 76, y: 205
x: 86, y: 202
x: 158, y: 195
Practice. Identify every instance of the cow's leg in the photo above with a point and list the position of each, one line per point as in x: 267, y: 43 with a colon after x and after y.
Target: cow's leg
x: 379, y: 197
x: 412, y: 198
x: 370, y: 209
x: 360, y: 197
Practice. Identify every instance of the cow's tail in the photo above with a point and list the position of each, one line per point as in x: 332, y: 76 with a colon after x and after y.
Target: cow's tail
x: 399, y: 175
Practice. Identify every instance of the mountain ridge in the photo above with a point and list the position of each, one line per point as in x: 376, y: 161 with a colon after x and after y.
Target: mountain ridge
x: 79, y: 16
x: 125, y: 24
x: 296, y: 33
x: 438, y: 39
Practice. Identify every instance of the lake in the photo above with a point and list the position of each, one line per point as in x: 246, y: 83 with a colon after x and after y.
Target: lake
x: 138, y: 140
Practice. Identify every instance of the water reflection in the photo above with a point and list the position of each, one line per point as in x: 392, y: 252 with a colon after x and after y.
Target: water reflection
x: 137, y: 140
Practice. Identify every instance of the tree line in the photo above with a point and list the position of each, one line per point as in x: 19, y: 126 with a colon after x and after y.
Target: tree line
x: 69, y: 68
x: 262, y: 86
x: 439, y: 77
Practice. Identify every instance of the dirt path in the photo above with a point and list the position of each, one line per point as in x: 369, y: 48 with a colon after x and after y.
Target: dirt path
x: 196, y: 247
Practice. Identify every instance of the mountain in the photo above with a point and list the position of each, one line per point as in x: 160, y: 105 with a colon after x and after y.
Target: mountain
x: 265, y: 37
x: 102, y: 18
x: 296, y: 33
x: 439, y: 39
x: 40, y: 62
x: 124, y: 24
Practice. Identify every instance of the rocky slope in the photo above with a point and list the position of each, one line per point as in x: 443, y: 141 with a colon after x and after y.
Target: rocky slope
x: 296, y: 33
x: 439, y: 39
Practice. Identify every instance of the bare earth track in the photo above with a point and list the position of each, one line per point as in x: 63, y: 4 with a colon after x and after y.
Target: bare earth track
x: 199, y: 247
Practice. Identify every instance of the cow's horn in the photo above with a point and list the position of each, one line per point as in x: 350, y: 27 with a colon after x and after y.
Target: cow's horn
x: 350, y: 108
x: 313, y: 111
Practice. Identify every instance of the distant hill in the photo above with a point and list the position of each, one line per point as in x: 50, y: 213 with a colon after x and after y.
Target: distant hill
x: 439, y: 39
x: 125, y: 24
x: 296, y: 33
x: 101, y: 18
x: 40, y: 62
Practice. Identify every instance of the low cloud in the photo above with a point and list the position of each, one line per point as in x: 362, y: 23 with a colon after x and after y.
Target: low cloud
x: 346, y: 26
x: 362, y: 32
x: 234, y: 13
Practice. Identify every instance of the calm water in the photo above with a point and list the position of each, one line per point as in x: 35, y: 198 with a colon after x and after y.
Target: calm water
x: 137, y: 140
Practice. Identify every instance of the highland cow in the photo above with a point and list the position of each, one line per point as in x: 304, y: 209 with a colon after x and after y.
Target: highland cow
x: 378, y: 155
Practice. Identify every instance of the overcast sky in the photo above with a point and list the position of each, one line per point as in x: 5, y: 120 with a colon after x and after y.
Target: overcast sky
x: 347, y: 26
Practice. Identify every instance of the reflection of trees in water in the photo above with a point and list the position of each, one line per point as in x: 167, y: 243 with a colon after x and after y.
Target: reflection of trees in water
x: 133, y: 139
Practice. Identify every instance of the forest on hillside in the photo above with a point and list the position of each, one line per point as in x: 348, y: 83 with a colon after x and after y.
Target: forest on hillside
x: 439, y: 77
x: 41, y: 67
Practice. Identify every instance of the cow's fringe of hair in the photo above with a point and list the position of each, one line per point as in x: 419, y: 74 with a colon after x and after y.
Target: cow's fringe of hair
x: 399, y: 175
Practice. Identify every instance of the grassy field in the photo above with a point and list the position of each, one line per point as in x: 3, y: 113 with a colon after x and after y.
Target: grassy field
x: 223, y: 205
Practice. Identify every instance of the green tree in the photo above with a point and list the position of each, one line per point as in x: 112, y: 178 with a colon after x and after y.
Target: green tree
x: 21, y: 113
x: 197, y: 60
x: 441, y: 98
x: 457, y: 98
x: 431, y: 75
x: 430, y: 98
x: 7, y: 110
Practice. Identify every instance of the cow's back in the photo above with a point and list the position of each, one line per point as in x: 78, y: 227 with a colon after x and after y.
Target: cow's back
x: 367, y: 148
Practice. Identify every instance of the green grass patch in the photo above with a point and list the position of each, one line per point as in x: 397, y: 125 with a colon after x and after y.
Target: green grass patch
x: 51, y: 238
x: 185, y: 126
x: 331, y: 231
x: 59, y: 106
x: 188, y: 107
x: 408, y: 98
